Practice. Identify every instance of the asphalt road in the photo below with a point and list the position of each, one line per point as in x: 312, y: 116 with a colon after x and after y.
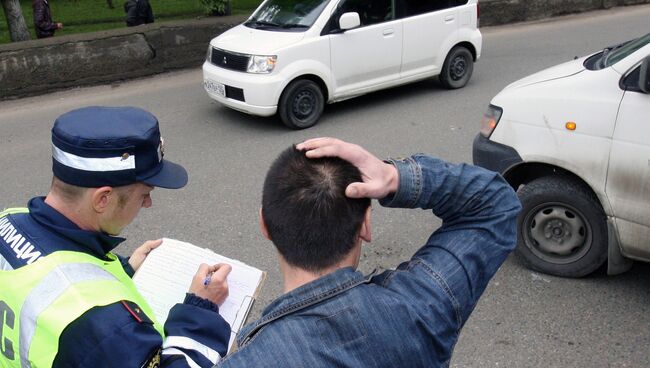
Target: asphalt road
x: 523, y: 320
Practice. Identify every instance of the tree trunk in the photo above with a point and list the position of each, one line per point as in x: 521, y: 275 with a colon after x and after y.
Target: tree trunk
x: 15, y: 21
x: 110, y: 4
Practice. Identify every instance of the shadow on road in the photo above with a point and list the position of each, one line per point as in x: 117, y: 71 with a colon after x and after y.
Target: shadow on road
x: 333, y: 113
x: 390, y: 96
x: 637, y: 278
x: 240, y: 121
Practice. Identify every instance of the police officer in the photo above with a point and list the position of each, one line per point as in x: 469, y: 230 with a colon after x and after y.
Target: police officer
x: 65, y: 299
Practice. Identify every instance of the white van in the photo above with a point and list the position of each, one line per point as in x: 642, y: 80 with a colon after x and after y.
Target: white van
x: 574, y: 140
x: 293, y: 56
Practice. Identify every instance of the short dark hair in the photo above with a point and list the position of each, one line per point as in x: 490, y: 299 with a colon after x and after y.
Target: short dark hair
x: 67, y: 192
x: 72, y: 193
x: 308, y: 217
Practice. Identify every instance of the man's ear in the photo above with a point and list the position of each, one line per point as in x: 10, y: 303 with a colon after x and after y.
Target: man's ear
x: 366, y: 229
x: 263, y: 228
x: 101, y: 198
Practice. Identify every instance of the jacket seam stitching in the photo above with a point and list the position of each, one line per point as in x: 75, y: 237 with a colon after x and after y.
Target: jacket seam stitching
x: 301, y: 304
x: 416, y: 180
x: 443, y: 284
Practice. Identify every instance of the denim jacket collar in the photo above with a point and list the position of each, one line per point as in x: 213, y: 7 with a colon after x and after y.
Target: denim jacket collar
x: 305, y: 296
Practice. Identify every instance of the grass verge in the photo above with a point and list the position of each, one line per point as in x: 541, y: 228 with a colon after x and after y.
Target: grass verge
x: 80, y: 16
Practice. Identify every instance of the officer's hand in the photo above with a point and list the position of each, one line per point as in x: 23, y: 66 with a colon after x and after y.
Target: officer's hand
x: 379, y: 178
x: 59, y: 26
x: 211, y: 282
x: 141, y: 253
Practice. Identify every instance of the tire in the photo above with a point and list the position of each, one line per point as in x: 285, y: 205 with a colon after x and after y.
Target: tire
x: 301, y: 104
x: 457, y: 69
x: 562, y: 228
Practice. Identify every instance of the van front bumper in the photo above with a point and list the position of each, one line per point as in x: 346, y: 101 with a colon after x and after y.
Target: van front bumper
x: 255, y: 94
x: 492, y: 155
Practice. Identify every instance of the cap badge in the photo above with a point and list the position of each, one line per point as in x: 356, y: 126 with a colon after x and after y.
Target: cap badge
x: 125, y: 156
x: 161, y: 149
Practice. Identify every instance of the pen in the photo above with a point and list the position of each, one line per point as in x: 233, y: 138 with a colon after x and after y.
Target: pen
x: 207, y: 279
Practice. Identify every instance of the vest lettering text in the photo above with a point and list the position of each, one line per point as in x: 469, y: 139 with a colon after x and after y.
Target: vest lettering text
x: 7, y: 316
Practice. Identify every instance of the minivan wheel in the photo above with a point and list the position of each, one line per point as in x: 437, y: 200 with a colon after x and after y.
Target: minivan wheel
x: 562, y: 228
x: 301, y: 104
x: 457, y: 69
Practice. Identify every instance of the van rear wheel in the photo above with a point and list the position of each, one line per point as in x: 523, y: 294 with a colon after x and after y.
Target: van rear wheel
x: 457, y: 69
x: 301, y: 104
x: 562, y: 228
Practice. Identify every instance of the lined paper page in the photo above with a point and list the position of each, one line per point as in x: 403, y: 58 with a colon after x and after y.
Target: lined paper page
x: 167, y: 272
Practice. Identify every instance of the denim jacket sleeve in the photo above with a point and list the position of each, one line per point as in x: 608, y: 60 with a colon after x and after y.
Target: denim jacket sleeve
x: 478, y: 211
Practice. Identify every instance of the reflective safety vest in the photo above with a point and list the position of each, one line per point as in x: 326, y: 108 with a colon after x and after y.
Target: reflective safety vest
x: 39, y: 300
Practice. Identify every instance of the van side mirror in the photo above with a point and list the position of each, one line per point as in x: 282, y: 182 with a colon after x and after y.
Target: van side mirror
x: 349, y: 20
x: 644, y: 76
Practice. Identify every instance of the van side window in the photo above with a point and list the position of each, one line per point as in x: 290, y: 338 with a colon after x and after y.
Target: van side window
x: 370, y: 11
x: 408, y: 8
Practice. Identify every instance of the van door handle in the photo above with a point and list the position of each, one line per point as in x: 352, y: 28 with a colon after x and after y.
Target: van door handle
x: 449, y: 18
x: 388, y: 32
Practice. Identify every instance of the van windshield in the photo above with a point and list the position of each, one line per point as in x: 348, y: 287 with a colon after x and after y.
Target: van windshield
x: 613, y: 54
x: 622, y: 52
x: 287, y: 15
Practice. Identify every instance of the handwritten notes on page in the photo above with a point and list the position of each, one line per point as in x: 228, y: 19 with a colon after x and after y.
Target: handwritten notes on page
x: 167, y: 272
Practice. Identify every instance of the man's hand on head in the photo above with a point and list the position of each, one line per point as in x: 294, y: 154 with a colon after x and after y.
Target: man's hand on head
x: 142, y: 252
x: 380, y: 179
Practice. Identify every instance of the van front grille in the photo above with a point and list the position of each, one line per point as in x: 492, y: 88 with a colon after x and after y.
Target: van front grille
x: 229, y: 60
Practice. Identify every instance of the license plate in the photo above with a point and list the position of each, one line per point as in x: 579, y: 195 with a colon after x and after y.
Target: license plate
x: 215, y: 87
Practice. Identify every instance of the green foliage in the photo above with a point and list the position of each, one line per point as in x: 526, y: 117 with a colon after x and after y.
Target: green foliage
x: 80, y: 16
x: 215, y: 7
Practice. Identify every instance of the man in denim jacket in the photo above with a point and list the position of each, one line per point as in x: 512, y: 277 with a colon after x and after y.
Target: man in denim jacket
x: 315, y: 209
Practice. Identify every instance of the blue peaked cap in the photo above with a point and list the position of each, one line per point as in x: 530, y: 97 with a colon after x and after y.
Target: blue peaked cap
x: 112, y: 146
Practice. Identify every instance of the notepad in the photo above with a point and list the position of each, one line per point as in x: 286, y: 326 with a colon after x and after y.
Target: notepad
x: 166, y: 274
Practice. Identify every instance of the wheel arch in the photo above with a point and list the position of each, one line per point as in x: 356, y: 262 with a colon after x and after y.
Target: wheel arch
x: 314, y: 78
x: 526, y: 172
x: 468, y: 45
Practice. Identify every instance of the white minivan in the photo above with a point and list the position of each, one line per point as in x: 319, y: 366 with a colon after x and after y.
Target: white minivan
x: 574, y: 140
x: 293, y: 56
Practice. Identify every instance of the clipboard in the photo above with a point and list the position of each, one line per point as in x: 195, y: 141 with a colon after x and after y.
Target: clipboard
x: 166, y: 274
x: 242, y: 315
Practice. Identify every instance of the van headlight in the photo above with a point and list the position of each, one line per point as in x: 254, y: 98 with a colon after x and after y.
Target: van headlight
x: 490, y: 120
x: 208, y: 55
x: 261, y: 64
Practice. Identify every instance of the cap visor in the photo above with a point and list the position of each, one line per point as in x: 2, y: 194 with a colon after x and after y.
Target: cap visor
x: 171, y: 176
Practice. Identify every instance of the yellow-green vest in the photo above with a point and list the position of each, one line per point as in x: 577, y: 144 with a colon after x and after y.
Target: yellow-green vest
x: 39, y: 300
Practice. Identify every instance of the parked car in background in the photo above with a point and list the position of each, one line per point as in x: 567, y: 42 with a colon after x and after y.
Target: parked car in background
x: 291, y: 57
x: 574, y: 141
